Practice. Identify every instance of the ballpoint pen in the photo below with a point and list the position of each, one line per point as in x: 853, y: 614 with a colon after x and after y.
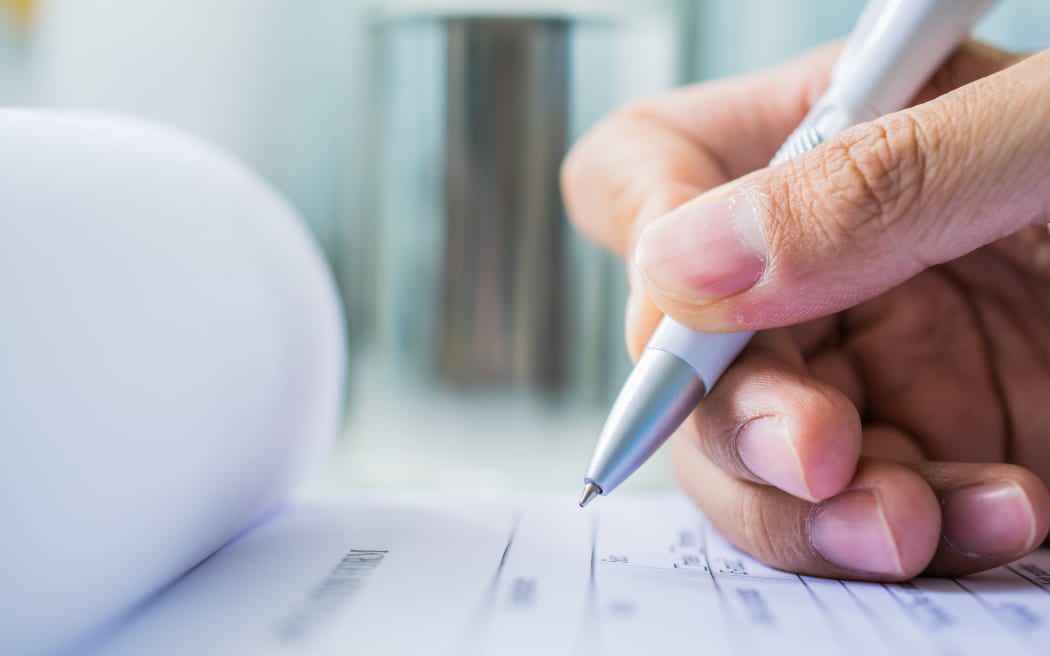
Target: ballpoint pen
x: 894, y: 48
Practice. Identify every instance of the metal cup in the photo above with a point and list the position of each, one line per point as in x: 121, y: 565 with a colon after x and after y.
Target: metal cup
x: 478, y: 281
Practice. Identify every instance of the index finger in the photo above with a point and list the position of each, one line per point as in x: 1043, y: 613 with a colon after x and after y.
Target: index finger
x: 649, y: 157
x: 645, y: 159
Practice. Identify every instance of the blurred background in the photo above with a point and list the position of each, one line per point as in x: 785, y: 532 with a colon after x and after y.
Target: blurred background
x: 421, y: 141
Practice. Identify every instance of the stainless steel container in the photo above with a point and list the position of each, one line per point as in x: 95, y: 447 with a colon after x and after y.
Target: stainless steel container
x: 477, y: 280
x: 487, y: 335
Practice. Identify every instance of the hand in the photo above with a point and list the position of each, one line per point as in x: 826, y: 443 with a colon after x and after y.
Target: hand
x: 900, y: 423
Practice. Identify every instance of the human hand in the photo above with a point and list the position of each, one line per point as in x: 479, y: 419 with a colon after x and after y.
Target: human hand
x: 893, y: 417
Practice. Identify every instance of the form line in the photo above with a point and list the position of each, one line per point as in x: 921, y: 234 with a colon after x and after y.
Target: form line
x: 1026, y: 578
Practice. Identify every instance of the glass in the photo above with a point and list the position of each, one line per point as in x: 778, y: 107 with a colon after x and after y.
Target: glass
x: 487, y: 335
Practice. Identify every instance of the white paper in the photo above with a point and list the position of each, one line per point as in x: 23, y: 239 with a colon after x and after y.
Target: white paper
x: 171, y: 364
x: 629, y: 575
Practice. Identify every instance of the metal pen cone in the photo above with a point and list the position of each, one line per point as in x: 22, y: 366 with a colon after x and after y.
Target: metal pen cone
x: 589, y: 492
x: 658, y: 396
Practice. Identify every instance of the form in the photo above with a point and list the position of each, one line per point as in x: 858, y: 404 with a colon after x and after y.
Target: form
x: 632, y: 575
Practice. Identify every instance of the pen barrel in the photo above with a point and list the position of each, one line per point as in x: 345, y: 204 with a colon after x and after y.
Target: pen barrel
x: 892, y: 51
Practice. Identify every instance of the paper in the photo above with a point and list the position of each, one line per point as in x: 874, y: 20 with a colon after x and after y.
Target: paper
x: 629, y: 576
x: 171, y: 364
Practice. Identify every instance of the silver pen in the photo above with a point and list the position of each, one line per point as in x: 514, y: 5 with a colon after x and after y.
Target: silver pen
x: 894, y: 48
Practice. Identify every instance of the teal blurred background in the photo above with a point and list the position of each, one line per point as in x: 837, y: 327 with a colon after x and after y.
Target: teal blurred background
x: 313, y: 94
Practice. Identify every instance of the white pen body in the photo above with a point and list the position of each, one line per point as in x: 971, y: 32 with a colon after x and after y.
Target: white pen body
x: 709, y: 354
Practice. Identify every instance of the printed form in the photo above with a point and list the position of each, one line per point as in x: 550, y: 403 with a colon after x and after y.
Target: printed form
x: 629, y: 575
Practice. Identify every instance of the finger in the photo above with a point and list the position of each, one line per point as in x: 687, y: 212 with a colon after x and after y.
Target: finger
x: 887, y: 442
x: 884, y: 527
x: 861, y: 213
x: 644, y: 161
x: 991, y: 514
x: 812, y: 336
x: 641, y: 316
x: 930, y: 357
x: 767, y: 421
x: 836, y: 367
x: 668, y: 149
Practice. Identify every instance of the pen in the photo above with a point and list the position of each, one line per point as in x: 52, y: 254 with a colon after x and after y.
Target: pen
x: 894, y: 48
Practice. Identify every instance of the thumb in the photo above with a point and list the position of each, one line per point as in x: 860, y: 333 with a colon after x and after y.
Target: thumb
x: 861, y: 213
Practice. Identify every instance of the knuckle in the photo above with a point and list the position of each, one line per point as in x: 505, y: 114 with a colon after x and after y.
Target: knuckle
x: 881, y: 170
x: 608, y: 181
x: 861, y: 185
x: 575, y: 170
x: 588, y: 187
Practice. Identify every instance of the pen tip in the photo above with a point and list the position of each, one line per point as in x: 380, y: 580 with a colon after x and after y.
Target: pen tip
x: 589, y: 492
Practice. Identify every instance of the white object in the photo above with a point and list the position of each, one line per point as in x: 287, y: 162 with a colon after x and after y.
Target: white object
x: 530, y: 576
x: 171, y: 363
